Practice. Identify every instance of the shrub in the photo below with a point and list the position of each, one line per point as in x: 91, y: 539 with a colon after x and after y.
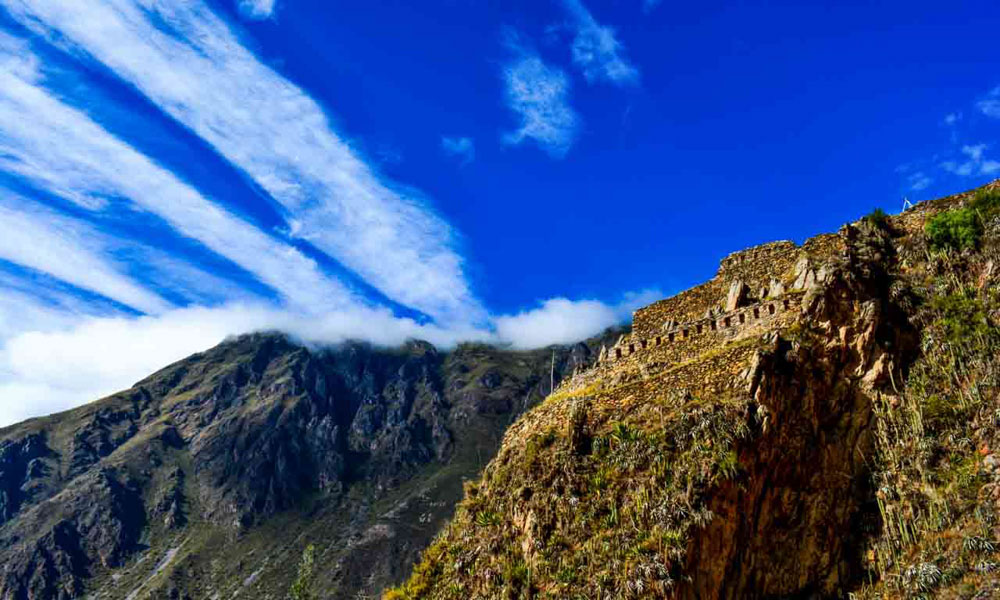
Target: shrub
x: 957, y: 229
x: 963, y: 316
x: 878, y: 219
x: 302, y: 588
x: 962, y: 228
x: 986, y: 204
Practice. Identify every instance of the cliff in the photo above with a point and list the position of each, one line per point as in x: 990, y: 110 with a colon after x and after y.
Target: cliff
x: 815, y: 421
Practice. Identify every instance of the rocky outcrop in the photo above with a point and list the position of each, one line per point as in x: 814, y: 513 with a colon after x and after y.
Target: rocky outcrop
x: 96, y: 522
x: 21, y: 465
x: 737, y: 297
x: 794, y: 522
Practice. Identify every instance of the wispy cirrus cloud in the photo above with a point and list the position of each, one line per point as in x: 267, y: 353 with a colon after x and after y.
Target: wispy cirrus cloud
x: 964, y: 155
x: 989, y: 105
x: 191, y: 64
x: 918, y: 181
x: 256, y: 9
x: 539, y: 95
x: 975, y: 162
x: 68, y: 250
x: 59, y: 347
x: 462, y: 148
x: 596, y: 49
x: 60, y: 149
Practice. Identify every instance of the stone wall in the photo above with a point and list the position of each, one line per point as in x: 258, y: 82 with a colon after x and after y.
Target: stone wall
x: 686, y: 306
x: 620, y: 386
x: 759, y: 265
x: 759, y: 268
x: 694, y: 326
x: 689, y: 340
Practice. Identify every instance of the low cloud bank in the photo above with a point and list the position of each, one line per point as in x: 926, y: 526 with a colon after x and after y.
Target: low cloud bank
x: 564, y: 321
x: 47, y: 370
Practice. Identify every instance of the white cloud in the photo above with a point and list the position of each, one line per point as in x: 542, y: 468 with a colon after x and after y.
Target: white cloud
x: 74, y: 359
x: 563, y: 321
x: 539, y: 94
x: 29, y: 306
x: 975, y: 163
x: 918, y: 181
x: 197, y: 71
x: 256, y: 9
x: 952, y: 118
x: 67, y: 365
x: 61, y: 149
x: 461, y: 147
x: 990, y: 104
x: 596, y: 50
x: 68, y: 250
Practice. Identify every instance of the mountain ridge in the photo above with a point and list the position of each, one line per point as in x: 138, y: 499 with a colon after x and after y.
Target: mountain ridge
x: 263, y: 442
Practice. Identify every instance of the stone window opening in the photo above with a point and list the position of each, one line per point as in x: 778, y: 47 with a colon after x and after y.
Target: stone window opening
x: 729, y: 322
x: 712, y: 325
x: 618, y: 352
x: 770, y: 308
x: 670, y: 338
x: 743, y: 318
x: 785, y: 303
x: 631, y: 348
x: 643, y: 344
x: 687, y: 333
x: 699, y: 328
x: 659, y: 340
x: 756, y: 312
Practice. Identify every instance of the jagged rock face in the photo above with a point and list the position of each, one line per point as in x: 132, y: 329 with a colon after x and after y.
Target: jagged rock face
x: 20, y: 465
x: 256, y: 431
x: 793, y: 526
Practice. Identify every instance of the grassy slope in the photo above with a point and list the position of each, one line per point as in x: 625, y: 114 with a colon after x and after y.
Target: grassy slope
x: 936, y: 480
x: 551, y: 519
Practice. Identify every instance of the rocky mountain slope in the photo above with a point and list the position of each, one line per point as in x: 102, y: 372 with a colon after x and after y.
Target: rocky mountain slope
x: 816, y: 421
x: 209, y: 478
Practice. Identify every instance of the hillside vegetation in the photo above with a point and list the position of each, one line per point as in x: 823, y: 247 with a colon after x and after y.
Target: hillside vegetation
x: 852, y: 450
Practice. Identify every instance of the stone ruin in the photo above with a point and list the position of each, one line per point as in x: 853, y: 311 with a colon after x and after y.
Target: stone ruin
x: 754, y: 292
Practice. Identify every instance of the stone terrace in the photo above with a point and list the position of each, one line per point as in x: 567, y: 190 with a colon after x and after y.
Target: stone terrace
x: 756, y: 291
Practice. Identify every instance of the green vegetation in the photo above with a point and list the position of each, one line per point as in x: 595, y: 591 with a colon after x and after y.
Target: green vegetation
x: 561, y: 517
x: 302, y: 587
x: 956, y: 229
x: 877, y: 218
x: 937, y: 440
x: 962, y: 228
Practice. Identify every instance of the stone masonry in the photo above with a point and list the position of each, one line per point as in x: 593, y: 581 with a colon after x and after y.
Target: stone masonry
x: 756, y: 291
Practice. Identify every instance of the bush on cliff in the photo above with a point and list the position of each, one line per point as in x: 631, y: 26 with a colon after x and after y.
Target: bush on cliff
x: 962, y: 228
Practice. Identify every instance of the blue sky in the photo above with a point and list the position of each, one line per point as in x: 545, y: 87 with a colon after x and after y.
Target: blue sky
x: 176, y: 171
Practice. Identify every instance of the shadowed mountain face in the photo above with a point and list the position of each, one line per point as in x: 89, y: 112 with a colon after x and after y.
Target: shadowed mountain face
x: 210, y: 477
